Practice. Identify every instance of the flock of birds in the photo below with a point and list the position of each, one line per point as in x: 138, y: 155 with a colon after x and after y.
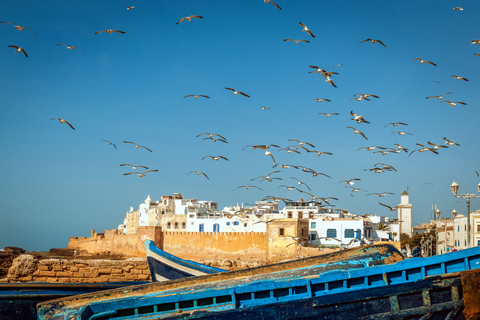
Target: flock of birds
x: 296, y: 146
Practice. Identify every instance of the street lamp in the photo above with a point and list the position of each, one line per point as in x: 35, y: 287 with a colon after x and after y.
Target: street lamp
x: 437, y: 214
x: 467, y: 196
x: 454, y: 214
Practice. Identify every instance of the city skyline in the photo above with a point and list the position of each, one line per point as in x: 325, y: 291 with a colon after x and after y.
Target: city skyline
x: 122, y: 90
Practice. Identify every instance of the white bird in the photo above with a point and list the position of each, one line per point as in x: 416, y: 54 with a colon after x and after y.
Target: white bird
x: 329, y: 114
x: 301, y: 143
x: 19, y: 49
x: 134, y: 167
x: 458, y: 77
x: 63, y: 121
x: 247, y: 187
x: 189, y: 18
x: 391, y: 208
x: 454, y: 103
x: 130, y: 7
x: 296, y: 41
x: 237, y: 92
x: 196, y: 97
x: 212, y: 135
x: 305, y: 28
x: 109, y: 31
x: 301, y: 183
x: 358, y: 132
x: 395, y: 124
x: 358, y: 118
x: 199, y: 173
x: 140, y: 174
x: 423, y: 61
x: 458, y: 8
x: 320, y: 100
x: 69, y: 46
x: 216, y: 158
x: 350, y: 182
x: 450, y: 143
x: 439, y: 97
x: 112, y: 144
x: 265, y: 108
x: 137, y: 146
x: 401, y: 133
x: 276, y: 5
x: 475, y: 41
x: 19, y: 28
x: 374, y: 41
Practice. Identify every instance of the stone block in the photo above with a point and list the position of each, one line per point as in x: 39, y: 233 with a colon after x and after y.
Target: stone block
x: 43, y: 268
x: 84, y: 270
x: 143, y: 277
x: 58, y: 268
x: 91, y: 274
x: 64, y: 274
x: 64, y: 280
x: 40, y: 279
x: 116, y: 271
x: 47, y: 274
x: 131, y: 277
x: 127, y: 268
x: 135, y: 271
x: 141, y: 266
x: 104, y: 271
x: 79, y: 274
x: 146, y: 272
x: 52, y: 279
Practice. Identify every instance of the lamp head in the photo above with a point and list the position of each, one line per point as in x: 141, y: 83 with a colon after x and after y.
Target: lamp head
x: 437, y: 213
x: 454, y: 188
x: 454, y: 213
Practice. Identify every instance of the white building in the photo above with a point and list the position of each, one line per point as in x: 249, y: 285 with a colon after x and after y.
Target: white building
x: 404, y: 210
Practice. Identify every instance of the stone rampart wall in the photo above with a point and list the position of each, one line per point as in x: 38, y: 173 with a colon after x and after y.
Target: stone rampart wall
x: 27, y: 268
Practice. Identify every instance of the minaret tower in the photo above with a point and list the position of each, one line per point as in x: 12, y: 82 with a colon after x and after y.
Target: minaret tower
x: 404, y: 210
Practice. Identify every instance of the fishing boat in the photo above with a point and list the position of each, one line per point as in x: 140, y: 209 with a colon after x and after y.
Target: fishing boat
x: 164, y: 266
x: 19, y: 300
x: 438, y: 287
x: 155, y: 299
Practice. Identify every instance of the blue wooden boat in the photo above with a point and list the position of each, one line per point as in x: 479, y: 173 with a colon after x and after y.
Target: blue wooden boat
x: 164, y: 266
x: 19, y: 300
x: 281, y: 283
x: 417, y: 288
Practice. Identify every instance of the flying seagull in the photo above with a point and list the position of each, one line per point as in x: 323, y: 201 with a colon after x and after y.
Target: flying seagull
x: 216, y: 158
x: 374, y: 41
x: 396, y: 124
x: 19, y: 49
x: 459, y: 78
x: 438, y: 97
x: 68, y: 46
x: 358, y: 132
x: 454, y: 103
x: 305, y: 28
x: 63, y: 121
x: 141, y: 175
x: 276, y: 5
x: 391, y: 208
x: 134, y: 167
x: 19, y: 28
x: 296, y: 41
x: 237, y: 92
x: 109, y: 31
x: 423, y: 61
x: 196, y: 97
x: 329, y: 114
x: 247, y: 187
x: 199, y: 173
x: 189, y: 18
x: 137, y: 146
x: 112, y: 144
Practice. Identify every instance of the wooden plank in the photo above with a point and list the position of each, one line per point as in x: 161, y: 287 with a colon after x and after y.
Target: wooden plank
x: 471, y: 296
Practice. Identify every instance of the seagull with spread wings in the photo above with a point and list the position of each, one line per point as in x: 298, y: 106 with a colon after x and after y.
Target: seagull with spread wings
x: 306, y: 29
x: 300, y: 183
x: 216, y: 158
x: 374, y: 41
x: 137, y: 146
x: 454, y: 103
x: 111, y: 143
x: 296, y: 41
x: 327, y: 115
x: 358, y: 132
x: 276, y: 5
x: 109, y: 31
x: 235, y: 92
x: 19, y: 49
x: 199, y: 173
x: 248, y: 187
x: 425, y: 61
x: 63, y: 121
x: 358, y: 118
x: 134, y: 167
x: 140, y: 174
x: 196, y: 97
x: 438, y: 97
x: 458, y: 77
x: 19, y: 28
x: 391, y: 208
x: 69, y: 46
x: 189, y: 18
x: 396, y: 124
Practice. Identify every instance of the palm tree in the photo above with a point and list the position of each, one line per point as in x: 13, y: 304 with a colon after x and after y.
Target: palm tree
x: 384, y: 227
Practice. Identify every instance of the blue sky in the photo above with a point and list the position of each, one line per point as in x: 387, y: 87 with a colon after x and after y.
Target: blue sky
x: 58, y: 183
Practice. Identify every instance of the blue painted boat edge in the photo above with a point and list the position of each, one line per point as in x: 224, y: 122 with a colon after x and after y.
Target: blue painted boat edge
x: 150, y: 246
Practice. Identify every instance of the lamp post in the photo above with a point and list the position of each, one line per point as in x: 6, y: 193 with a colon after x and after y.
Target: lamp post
x: 454, y: 214
x: 437, y: 215
x: 467, y: 196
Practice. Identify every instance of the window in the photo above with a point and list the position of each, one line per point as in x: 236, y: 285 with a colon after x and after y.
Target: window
x: 358, y: 234
x: 245, y: 224
x: 331, y: 233
x: 313, y: 225
x: 216, y: 227
x: 312, y: 236
x: 228, y: 223
x: 349, y: 233
x: 478, y: 227
x: 300, y: 215
x: 303, y: 232
x: 201, y: 227
x: 236, y: 223
x: 169, y: 225
x: 184, y: 225
x: 289, y: 214
x: 478, y: 243
x: 176, y: 225
x: 281, y: 232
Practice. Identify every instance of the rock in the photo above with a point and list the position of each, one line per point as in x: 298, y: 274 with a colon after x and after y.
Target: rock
x: 13, y: 250
x: 22, y: 266
x: 63, y: 252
